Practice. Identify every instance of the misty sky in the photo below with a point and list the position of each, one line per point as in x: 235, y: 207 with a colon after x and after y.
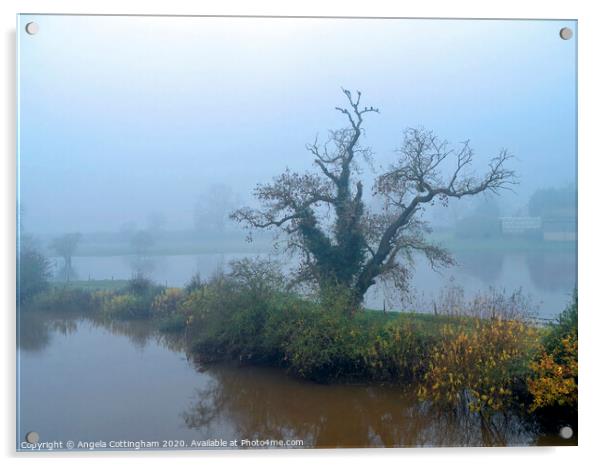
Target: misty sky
x: 124, y: 116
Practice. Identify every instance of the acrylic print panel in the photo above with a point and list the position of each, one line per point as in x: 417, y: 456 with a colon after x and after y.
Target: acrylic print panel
x: 242, y: 232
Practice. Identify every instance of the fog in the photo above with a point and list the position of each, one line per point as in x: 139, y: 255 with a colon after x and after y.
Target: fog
x: 122, y: 117
x: 164, y: 124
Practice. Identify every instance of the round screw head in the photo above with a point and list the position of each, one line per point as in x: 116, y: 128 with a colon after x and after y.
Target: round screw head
x: 566, y: 432
x: 32, y: 437
x: 566, y: 33
x: 32, y: 28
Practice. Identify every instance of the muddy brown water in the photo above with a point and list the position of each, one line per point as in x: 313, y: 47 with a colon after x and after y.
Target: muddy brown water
x: 81, y: 380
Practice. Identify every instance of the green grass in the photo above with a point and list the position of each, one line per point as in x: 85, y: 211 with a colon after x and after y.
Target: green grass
x: 427, y: 324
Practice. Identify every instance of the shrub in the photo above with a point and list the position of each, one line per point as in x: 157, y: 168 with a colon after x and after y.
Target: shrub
x: 258, y: 277
x: 283, y: 318
x: 125, y: 306
x: 337, y: 299
x: 134, y: 301
x: 63, y: 299
x: 565, y: 325
x: 399, y: 350
x: 100, y: 297
x: 204, y: 301
x: 33, y: 273
x: 167, y: 302
x: 193, y: 284
x: 194, y: 306
x: 321, y: 347
x: 139, y: 285
x: 554, y: 378
x: 479, y: 365
x: 228, y: 313
x: 173, y: 323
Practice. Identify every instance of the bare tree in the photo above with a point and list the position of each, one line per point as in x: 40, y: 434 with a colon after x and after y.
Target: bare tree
x: 141, y: 243
x: 65, y: 246
x: 356, y: 247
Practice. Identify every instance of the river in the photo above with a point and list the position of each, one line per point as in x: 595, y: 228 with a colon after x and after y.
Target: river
x: 81, y: 379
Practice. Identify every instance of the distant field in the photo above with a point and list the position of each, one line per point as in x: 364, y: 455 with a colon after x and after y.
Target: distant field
x: 176, y: 243
x: 174, y: 249
x: 93, y: 285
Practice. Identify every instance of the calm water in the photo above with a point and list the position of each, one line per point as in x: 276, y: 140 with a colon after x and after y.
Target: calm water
x: 82, y: 380
x: 548, y: 278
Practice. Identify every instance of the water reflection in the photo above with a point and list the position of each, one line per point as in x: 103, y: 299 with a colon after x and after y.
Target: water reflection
x: 485, y: 267
x: 36, y: 329
x: 33, y: 333
x: 552, y: 272
x: 185, y: 399
x: 262, y: 403
x: 141, y: 332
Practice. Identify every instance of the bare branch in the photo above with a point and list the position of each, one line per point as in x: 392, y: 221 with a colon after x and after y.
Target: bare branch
x: 416, y: 179
x: 357, y: 247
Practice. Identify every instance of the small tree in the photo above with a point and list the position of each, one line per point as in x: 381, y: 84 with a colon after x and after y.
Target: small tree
x: 324, y: 217
x: 33, y: 271
x: 141, y: 243
x: 65, y: 246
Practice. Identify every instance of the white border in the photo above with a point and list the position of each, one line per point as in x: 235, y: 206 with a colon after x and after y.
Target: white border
x: 590, y: 169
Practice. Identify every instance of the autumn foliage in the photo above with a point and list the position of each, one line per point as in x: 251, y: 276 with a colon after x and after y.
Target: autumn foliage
x: 479, y: 363
x: 553, y: 382
x: 555, y: 376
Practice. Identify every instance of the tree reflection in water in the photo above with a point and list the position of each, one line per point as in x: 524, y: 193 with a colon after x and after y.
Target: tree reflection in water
x: 553, y: 272
x: 141, y: 332
x: 35, y: 329
x: 263, y: 403
x: 484, y: 266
